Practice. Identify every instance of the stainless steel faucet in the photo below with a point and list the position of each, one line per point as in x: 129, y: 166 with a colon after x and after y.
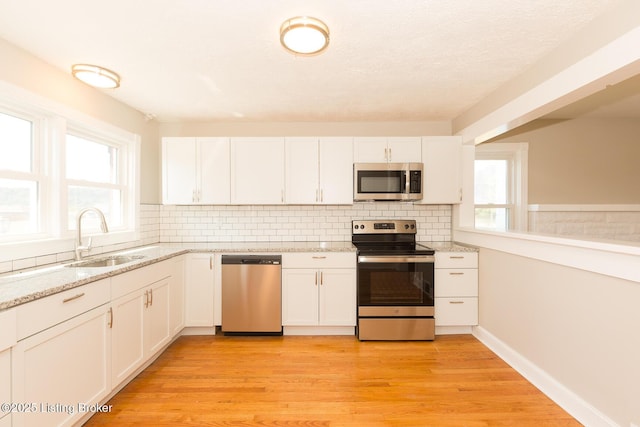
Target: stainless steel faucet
x: 103, y: 225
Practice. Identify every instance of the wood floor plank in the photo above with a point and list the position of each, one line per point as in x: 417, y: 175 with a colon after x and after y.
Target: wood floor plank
x: 330, y: 382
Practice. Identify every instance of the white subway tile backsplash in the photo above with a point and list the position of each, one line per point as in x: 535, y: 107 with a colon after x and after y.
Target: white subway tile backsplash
x: 296, y: 223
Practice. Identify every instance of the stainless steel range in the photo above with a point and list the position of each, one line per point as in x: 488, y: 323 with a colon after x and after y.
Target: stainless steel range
x: 395, y: 281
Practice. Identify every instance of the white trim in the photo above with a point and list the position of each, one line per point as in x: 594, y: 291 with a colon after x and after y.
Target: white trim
x: 583, y: 208
x: 609, y: 65
x: 318, y: 330
x: 563, y: 396
x: 611, y: 259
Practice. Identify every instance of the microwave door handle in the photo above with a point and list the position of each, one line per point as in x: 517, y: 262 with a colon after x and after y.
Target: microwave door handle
x: 407, y: 182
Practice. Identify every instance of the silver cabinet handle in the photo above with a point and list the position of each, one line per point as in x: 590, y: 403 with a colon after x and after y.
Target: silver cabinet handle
x: 456, y: 257
x: 110, y: 318
x: 316, y: 278
x: 73, y: 297
x: 151, y: 297
x: 211, y: 262
x: 321, y: 278
x: 146, y: 299
x: 396, y: 259
x: 319, y: 257
x: 455, y: 273
x: 456, y: 302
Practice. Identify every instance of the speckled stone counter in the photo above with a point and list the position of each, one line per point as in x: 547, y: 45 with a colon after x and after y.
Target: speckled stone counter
x: 449, y: 247
x: 22, y: 287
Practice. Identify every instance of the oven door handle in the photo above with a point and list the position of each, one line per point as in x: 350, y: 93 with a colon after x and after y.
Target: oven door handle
x: 397, y: 258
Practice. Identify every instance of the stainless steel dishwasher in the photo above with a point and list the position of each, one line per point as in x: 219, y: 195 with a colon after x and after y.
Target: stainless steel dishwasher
x: 252, y: 294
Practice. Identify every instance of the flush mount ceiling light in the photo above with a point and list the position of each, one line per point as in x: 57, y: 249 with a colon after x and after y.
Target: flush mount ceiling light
x: 96, y: 76
x: 304, y: 35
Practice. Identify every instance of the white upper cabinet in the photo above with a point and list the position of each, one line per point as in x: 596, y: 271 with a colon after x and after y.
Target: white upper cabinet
x: 319, y: 170
x: 257, y: 171
x: 195, y: 171
x: 442, y: 173
x: 387, y: 150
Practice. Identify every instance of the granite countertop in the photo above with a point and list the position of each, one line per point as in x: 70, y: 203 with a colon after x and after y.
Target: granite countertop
x: 21, y: 287
x: 449, y: 247
x: 28, y: 285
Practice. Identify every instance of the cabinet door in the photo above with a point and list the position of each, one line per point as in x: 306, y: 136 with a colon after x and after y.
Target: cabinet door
x: 176, y: 299
x: 300, y: 297
x: 370, y: 150
x: 404, y: 149
x: 65, y: 365
x: 5, y: 380
x: 442, y: 174
x: 337, y: 297
x: 336, y: 171
x: 156, y: 318
x: 198, y: 309
x: 127, y: 335
x: 302, y: 171
x: 257, y: 171
x: 214, y: 171
x: 178, y: 170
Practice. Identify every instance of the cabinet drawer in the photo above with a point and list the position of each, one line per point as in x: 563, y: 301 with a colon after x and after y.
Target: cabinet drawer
x: 456, y: 282
x: 133, y: 280
x: 319, y: 260
x: 456, y: 259
x: 41, y: 314
x: 456, y: 311
x: 7, y: 329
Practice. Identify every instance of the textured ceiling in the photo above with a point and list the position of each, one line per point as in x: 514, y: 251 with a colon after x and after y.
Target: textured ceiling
x: 220, y: 60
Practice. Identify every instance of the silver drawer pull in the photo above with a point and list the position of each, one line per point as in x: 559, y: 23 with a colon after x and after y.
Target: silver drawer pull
x: 456, y: 257
x: 452, y: 273
x: 72, y: 298
x: 456, y: 302
x: 319, y: 257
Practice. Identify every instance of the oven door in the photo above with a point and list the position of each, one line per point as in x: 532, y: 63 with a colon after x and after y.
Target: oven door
x: 395, y: 285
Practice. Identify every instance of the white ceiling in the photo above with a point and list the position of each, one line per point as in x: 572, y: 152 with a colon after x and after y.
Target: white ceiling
x: 220, y: 60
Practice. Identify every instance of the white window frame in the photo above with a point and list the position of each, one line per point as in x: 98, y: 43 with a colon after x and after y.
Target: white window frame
x: 57, y: 240
x: 517, y: 155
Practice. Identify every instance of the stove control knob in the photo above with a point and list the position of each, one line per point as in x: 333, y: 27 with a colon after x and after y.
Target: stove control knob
x: 406, y: 226
x: 362, y: 226
x: 413, y: 226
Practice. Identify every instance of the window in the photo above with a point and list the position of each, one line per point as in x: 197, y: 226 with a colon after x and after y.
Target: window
x: 500, y: 186
x: 20, y: 178
x: 52, y: 167
x: 95, y: 178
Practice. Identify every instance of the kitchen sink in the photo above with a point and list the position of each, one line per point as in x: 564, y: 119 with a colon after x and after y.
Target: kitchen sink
x: 109, y: 261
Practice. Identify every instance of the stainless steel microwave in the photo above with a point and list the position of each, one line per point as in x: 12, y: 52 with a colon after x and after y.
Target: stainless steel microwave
x: 387, y: 181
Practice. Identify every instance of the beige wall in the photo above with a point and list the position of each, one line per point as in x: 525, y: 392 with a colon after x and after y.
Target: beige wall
x: 21, y: 69
x: 582, y: 161
x: 579, y: 327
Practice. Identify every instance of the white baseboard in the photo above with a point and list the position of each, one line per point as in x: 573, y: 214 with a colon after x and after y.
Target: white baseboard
x: 199, y: 330
x: 556, y: 391
x: 453, y: 330
x: 319, y: 330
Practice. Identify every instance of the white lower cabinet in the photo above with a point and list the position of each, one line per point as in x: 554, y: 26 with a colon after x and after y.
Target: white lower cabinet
x: 61, y: 370
x: 319, y: 289
x: 7, y: 340
x: 456, y: 289
x: 139, y: 318
x: 176, y: 295
x: 199, y: 290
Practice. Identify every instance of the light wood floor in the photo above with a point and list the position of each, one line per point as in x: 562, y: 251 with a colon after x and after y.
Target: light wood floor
x: 330, y: 381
